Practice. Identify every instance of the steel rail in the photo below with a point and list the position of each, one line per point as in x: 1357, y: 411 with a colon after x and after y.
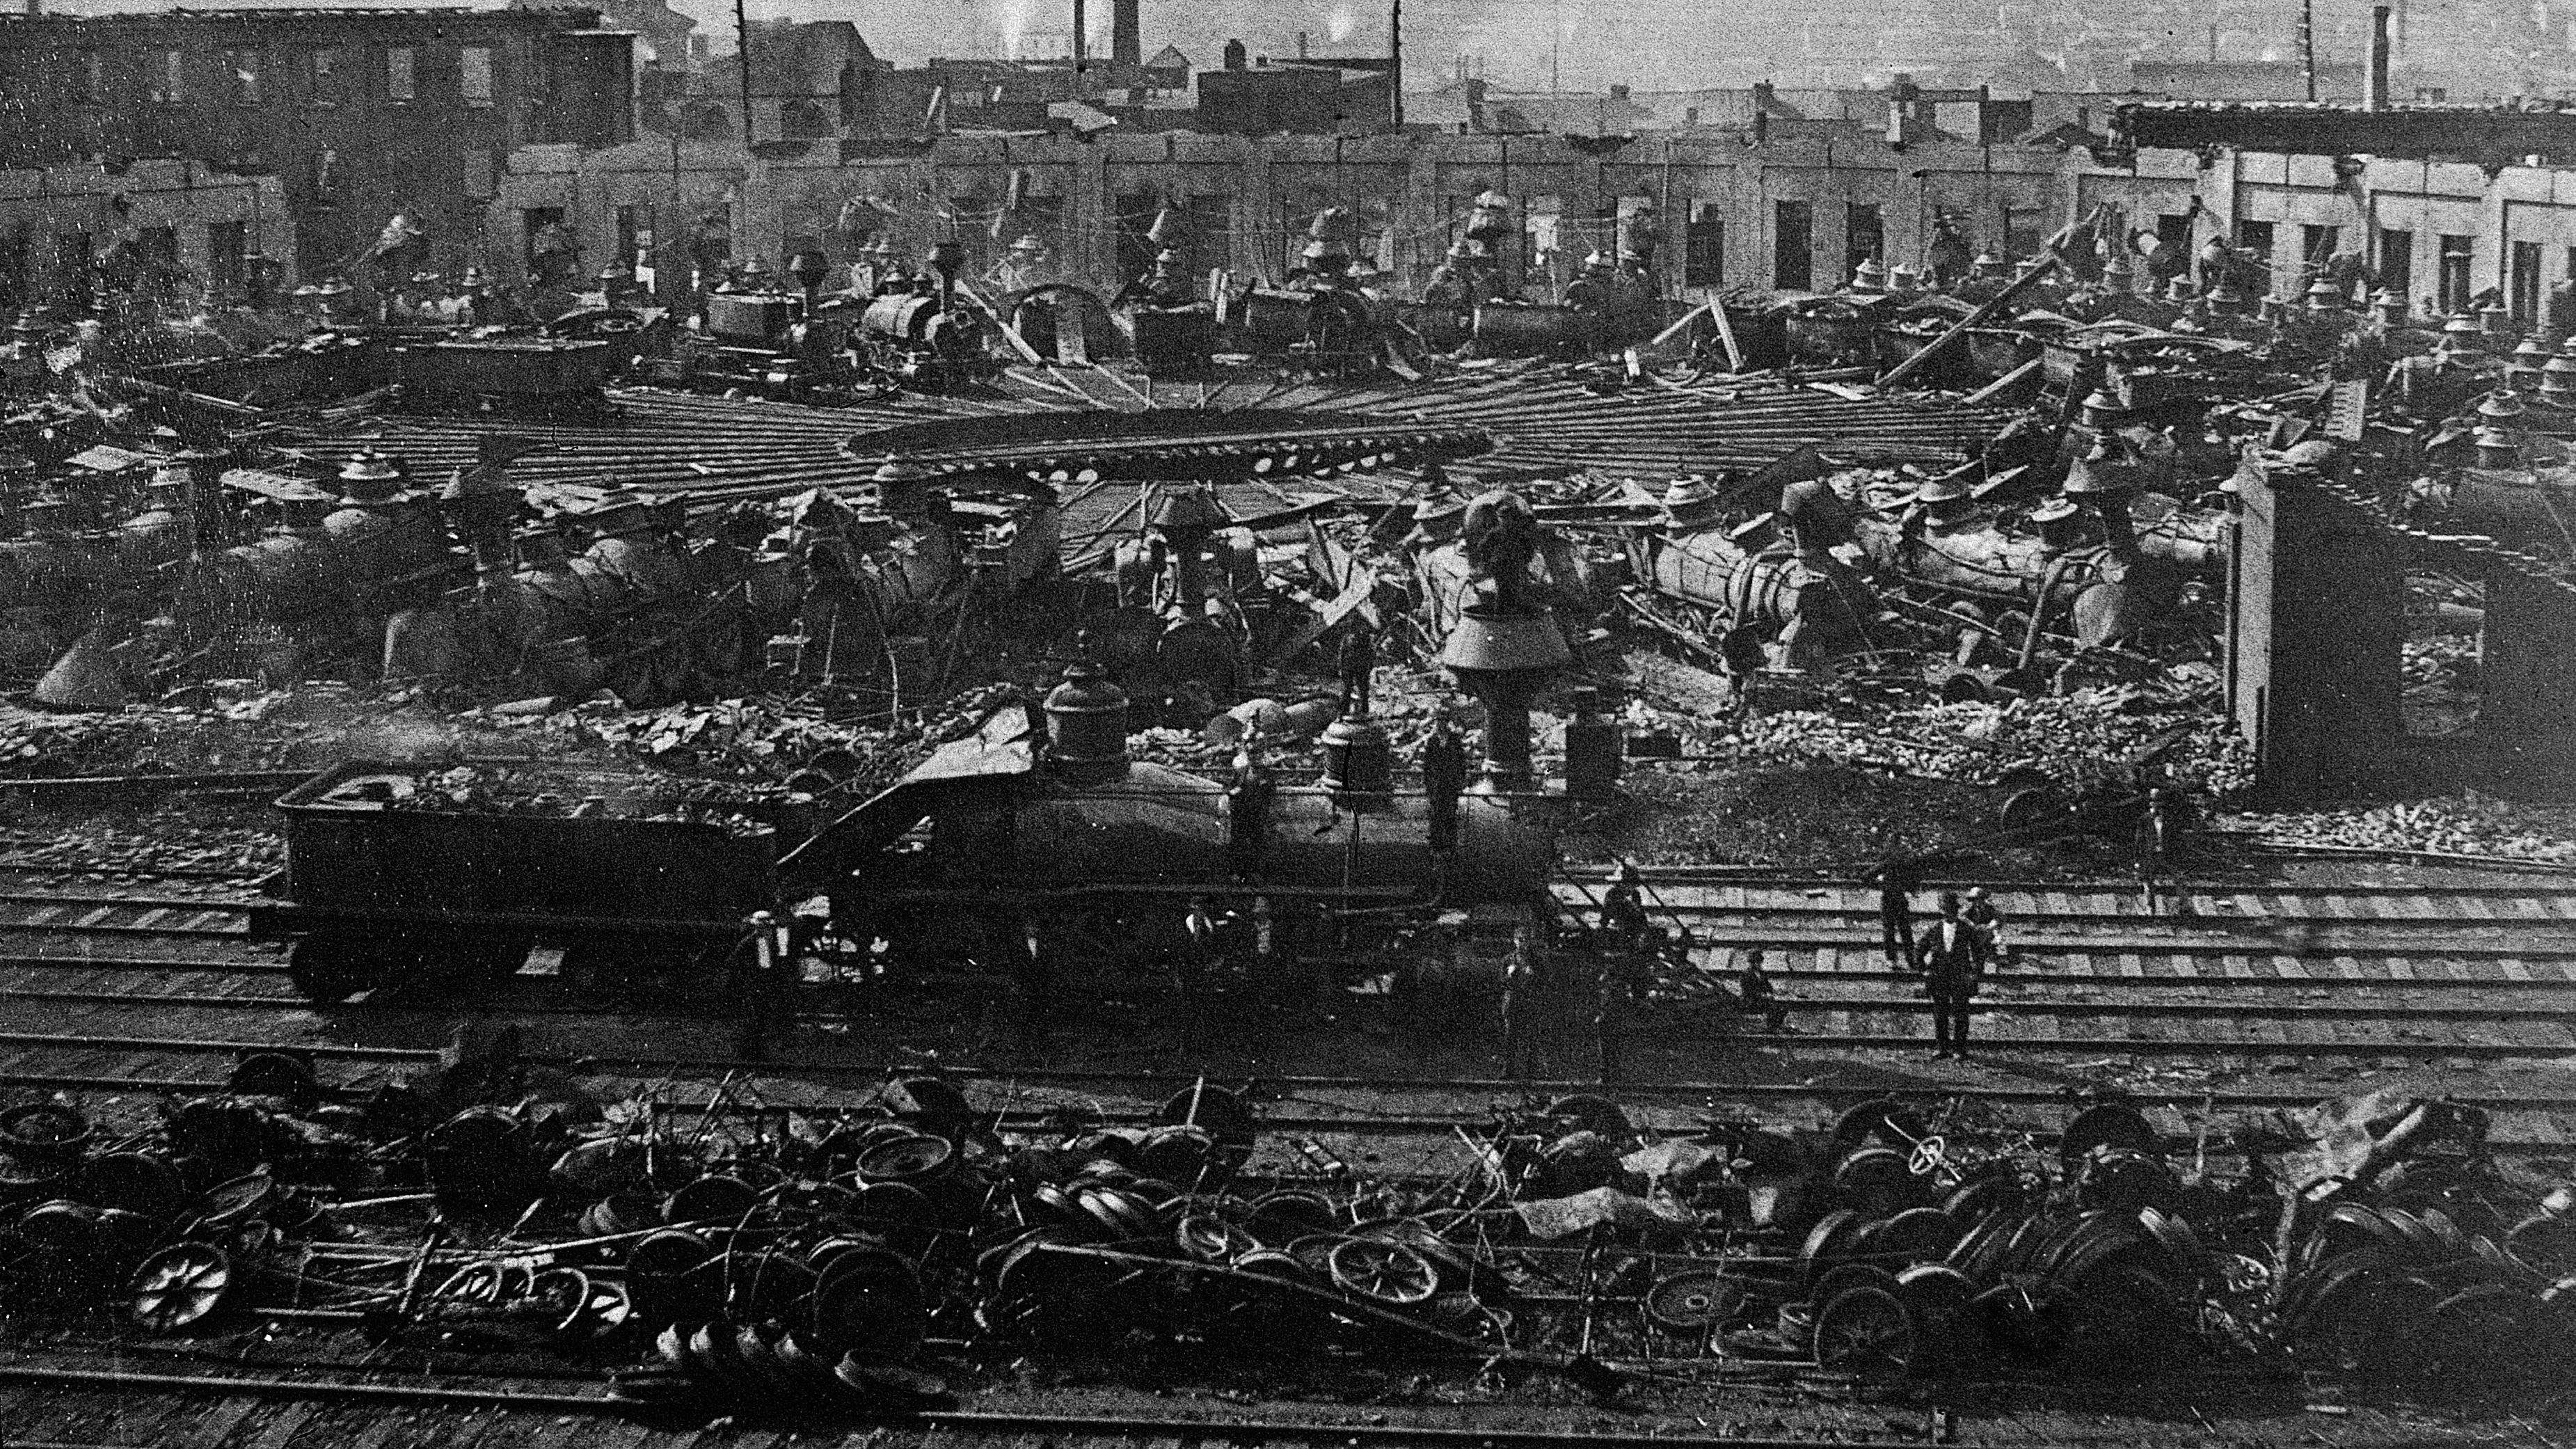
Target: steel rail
x: 976, y: 1421
x: 1808, y: 1002
x: 1700, y: 1092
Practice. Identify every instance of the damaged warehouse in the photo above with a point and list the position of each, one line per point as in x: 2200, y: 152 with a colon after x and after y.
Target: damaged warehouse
x: 1310, y: 786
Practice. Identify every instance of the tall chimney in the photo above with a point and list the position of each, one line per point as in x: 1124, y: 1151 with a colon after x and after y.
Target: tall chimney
x: 2374, y: 95
x: 1126, y: 33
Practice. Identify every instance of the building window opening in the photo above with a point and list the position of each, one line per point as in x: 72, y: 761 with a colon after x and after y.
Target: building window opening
x: 474, y: 76
x: 168, y: 76
x: 2254, y: 239
x: 227, y: 244
x: 1864, y: 238
x: 2025, y: 231
x: 1544, y: 243
x: 1793, y: 267
x: 2523, y: 295
x: 2456, y: 258
x: 241, y: 77
x: 2318, y: 245
x: 2397, y: 265
x: 1704, y: 246
x: 322, y: 77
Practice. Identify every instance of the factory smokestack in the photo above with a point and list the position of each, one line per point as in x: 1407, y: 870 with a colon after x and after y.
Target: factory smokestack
x: 2374, y: 96
x: 1126, y: 33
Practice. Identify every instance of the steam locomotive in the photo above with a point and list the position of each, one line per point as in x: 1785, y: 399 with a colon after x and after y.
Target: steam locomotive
x: 1054, y: 861
x: 795, y: 347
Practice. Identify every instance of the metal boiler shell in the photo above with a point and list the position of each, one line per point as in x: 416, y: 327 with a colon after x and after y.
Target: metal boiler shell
x: 1159, y: 827
x: 751, y: 316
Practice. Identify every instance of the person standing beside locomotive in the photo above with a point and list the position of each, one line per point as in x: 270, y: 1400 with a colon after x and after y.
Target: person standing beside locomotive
x: 1444, y: 779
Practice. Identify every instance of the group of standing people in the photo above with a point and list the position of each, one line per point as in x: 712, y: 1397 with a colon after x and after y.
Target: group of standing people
x: 1952, y: 955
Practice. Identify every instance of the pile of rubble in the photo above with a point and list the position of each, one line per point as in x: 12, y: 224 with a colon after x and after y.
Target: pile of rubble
x: 724, y: 1254
x: 2465, y: 824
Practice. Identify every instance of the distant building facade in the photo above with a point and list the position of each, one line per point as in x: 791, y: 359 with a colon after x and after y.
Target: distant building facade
x: 357, y: 113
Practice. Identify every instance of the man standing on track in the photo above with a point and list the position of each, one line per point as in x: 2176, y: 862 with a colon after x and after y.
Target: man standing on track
x: 1951, y: 958
x: 1897, y: 881
x: 1988, y: 923
x: 2154, y: 844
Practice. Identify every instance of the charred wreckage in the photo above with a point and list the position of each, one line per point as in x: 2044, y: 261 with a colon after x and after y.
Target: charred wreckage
x: 1096, y: 518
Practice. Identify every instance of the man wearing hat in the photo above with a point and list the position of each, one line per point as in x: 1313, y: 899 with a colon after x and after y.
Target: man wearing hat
x: 1623, y: 909
x: 1444, y: 778
x: 1951, y: 959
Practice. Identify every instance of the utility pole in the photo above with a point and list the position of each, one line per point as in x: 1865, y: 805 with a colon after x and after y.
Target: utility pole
x: 742, y: 57
x: 1395, y: 58
x: 1080, y: 44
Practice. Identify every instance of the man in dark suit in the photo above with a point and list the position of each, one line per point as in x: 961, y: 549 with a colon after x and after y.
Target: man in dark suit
x: 1951, y: 956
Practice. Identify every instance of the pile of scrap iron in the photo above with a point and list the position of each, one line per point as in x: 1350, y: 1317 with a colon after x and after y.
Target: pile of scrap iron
x: 719, y: 1253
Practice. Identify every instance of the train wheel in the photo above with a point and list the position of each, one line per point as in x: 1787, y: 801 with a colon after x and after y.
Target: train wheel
x: 330, y: 968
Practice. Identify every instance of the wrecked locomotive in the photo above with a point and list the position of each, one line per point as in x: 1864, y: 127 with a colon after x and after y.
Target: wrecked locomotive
x: 1037, y: 855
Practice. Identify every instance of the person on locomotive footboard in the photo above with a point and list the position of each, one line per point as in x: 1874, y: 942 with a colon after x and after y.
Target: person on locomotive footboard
x: 757, y: 977
x: 1623, y: 910
x: 1952, y: 958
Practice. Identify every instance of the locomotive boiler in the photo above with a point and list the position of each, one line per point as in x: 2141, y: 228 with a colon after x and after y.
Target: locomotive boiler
x: 775, y: 344
x: 925, y: 339
x: 1083, y: 861
x: 1330, y: 329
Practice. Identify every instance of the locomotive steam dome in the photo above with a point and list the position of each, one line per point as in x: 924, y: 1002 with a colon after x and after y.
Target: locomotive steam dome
x: 1086, y: 718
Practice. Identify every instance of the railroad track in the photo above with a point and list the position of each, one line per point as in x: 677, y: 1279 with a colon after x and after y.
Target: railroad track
x: 2383, y: 976
x: 2526, y: 1124
x: 58, y: 1405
